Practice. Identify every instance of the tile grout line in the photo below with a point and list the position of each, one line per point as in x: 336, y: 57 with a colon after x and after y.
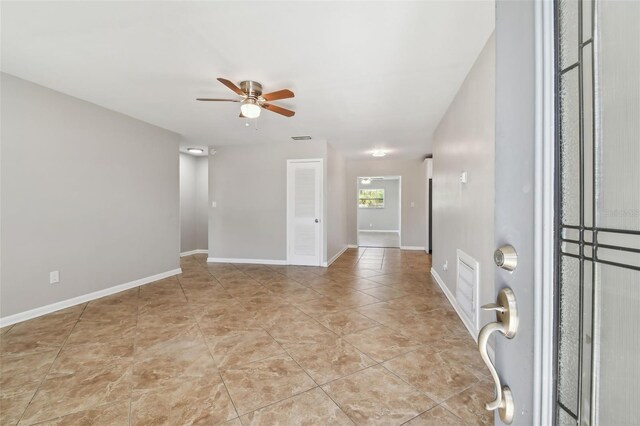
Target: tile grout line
x: 317, y: 385
x: 51, y: 366
x: 209, y: 352
x: 299, y: 366
x: 133, y: 355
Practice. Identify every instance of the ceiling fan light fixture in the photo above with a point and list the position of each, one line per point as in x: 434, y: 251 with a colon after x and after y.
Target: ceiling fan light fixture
x: 250, y: 108
x: 378, y: 153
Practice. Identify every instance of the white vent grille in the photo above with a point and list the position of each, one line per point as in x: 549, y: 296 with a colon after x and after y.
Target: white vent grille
x: 468, y: 271
x: 301, y: 138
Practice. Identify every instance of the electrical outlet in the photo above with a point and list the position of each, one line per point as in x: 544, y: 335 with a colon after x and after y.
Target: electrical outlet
x: 445, y: 265
x: 54, y: 277
x: 413, y: 204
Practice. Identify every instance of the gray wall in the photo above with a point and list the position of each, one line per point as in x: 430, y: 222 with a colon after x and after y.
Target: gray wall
x: 86, y: 191
x: 187, y: 203
x: 463, y: 214
x: 202, y: 203
x: 413, y: 191
x: 383, y: 219
x: 336, y: 195
x: 249, y: 185
x: 193, y: 202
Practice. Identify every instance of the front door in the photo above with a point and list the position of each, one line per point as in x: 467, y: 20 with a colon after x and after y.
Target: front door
x: 520, y: 205
x: 304, y: 212
x: 568, y: 203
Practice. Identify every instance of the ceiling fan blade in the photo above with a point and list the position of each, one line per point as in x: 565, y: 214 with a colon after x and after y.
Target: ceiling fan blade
x: 279, y: 110
x: 217, y: 100
x: 280, y: 94
x: 231, y: 86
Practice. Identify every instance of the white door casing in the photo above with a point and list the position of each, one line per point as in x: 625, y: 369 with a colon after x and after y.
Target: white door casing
x: 305, y: 221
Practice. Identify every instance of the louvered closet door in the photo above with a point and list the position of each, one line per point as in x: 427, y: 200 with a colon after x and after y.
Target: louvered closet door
x: 304, y: 212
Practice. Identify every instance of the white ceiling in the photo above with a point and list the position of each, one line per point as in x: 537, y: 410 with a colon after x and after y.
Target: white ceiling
x: 367, y: 75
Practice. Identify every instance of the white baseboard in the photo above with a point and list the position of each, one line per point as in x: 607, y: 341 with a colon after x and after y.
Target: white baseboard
x: 254, y: 261
x: 352, y: 246
x: 454, y: 303
x: 379, y: 230
x: 192, y: 252
x: 411, y: 248
x: 43, y: 310
x: 334, y: 258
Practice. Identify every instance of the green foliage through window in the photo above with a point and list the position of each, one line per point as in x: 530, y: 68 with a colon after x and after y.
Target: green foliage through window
x: 371, y: 198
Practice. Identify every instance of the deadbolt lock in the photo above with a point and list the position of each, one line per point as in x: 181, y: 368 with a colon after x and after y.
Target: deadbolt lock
x: 506, y: 257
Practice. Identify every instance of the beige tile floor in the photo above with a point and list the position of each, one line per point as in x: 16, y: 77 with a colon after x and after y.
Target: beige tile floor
x: 370, y: 340
x: 378, y: 239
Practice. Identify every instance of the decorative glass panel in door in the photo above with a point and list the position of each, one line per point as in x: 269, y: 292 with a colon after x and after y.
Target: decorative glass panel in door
x: 598, y: 212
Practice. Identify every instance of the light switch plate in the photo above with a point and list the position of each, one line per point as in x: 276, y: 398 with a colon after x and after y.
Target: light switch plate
x: 54, y: 277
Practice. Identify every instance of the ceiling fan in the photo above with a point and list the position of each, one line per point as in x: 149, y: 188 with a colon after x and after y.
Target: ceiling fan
x: 253, y: 101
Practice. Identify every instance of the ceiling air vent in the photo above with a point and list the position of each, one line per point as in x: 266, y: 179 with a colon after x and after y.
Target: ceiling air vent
x: 301, y: 138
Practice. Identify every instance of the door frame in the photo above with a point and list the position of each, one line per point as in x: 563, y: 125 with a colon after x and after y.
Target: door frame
x: 399, y: 207
x: 321, y: 243
x: 545, y: 222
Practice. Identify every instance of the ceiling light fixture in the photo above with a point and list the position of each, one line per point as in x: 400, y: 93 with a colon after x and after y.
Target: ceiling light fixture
x: 195, y: 150
x: 250, y: 108
x: 378, y: 153
x: 365, y: 181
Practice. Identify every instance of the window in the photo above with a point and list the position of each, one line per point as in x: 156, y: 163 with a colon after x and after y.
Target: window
x: 371, y: 199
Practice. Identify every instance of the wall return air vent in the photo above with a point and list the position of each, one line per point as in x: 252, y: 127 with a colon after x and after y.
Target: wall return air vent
x: 301, y: 138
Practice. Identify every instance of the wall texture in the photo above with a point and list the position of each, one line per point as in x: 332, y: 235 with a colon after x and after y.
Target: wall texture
x: 85, y: 191
x: 384, y: 219
x: 194, y: 183
x: 336, y: 194
x: 413, y: 191
x: 463, y: 214
x: 249, y: 185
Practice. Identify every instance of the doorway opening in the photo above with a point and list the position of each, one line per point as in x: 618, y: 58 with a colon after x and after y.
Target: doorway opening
x: 379, y: 211
x: 194, y: 202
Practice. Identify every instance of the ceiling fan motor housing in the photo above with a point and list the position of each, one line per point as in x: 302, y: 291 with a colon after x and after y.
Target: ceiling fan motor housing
x: 252, y: 89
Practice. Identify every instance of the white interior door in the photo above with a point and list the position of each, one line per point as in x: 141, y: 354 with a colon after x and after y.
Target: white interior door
x: 304, y: 212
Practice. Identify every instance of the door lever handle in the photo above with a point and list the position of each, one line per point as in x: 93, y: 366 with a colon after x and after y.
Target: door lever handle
x: 507, y: 325
x: 493, y: 307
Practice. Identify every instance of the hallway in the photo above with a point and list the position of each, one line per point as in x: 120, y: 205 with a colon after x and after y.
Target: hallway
x: 378, y: 239
x: 369, y: 340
